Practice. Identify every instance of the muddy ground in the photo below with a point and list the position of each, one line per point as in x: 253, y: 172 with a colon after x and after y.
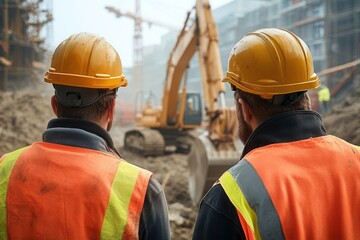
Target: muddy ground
x: 24, y: 115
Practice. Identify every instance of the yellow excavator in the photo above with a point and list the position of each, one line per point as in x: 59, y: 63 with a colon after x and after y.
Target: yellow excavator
x: 178, y: 123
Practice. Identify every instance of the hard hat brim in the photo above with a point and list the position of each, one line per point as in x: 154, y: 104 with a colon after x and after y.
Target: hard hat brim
x: 267, y: 91
x: 99, y: 81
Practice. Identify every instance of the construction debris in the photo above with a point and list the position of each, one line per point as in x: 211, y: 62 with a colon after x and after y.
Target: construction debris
x: 22, y: 47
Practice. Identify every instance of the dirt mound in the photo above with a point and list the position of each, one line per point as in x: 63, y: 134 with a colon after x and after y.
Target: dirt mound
x: 23, y: 118
x: 344, y: 119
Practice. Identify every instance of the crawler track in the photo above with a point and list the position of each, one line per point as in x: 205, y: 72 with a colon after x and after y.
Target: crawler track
x: 144, y: 141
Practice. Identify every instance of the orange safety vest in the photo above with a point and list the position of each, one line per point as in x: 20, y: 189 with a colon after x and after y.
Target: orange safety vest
x: 51, y: 191
x: 307, y: 189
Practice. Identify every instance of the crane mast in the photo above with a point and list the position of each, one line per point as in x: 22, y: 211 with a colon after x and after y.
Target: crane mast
x: 137, y: 38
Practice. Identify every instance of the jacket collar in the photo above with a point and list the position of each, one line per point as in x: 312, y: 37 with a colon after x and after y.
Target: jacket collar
x: 286, y: 127
x: 79, y: 133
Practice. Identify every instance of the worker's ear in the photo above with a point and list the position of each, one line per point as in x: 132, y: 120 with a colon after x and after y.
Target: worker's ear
x: 111, y: 110
x: 54, y: 105
x: 248, y: 113
x: 110, y: 115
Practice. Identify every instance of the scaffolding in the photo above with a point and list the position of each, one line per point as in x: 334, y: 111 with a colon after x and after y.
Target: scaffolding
x: 342, y: 38
x: 331, y: 28
x: 21, y: 44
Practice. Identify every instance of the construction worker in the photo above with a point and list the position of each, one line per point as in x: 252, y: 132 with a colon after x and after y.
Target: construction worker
x: 190, y: 104
x: 293, y: 180
x: 324, y: 98
x: 74, y: 184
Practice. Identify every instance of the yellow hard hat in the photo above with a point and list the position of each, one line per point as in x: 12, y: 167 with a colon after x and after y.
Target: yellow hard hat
x: 88, y: 61
x: 271, y: 62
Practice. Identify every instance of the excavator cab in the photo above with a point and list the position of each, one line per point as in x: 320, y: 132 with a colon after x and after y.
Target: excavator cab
x: 193, y: 109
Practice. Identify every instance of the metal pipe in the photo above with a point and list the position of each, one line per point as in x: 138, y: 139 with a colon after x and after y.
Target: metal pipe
x: 222, y: 100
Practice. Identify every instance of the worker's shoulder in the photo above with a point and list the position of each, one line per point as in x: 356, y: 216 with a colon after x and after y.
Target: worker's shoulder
x: 154, y: 187
x: 357, y: 147
x: 345, y: 142
x: 134, y: 166
x: 217, y: 200
x: 154, y: 197
x: 14, y: 153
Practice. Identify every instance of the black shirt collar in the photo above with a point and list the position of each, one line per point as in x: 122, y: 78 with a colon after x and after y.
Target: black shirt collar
x: 79, y: 133
x: 286, y: 127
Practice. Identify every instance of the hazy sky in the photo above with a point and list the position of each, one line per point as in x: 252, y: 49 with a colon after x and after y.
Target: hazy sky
x: 91, y: 16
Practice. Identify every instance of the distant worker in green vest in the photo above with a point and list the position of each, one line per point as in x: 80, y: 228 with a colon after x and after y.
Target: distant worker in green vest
x: 74, y: 184
x: 293, y: 181
x: 324, y: 97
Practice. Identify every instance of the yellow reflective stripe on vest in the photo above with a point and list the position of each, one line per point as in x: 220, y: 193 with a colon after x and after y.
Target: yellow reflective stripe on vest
x: 358, y: 147
x: 233, y: 191
x: 6, y: 167
x: 117, y: 210
x: 245, y: 189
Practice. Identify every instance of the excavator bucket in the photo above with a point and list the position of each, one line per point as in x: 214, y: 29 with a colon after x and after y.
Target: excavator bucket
x: 207, y: 164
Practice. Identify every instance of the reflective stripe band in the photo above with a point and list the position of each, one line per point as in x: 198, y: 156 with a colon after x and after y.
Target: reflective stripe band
x: 249, y: 234
x: 136, y: 205
x: 116, y: 215
x: 356, y: 147
x: 267, y: 220
x: 238, y: 199
x: 6, y: 166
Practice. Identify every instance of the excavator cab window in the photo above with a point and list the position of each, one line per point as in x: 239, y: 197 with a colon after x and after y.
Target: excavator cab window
x: 193, y: 112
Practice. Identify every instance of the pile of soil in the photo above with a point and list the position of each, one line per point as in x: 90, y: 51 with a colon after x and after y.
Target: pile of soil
x: 344, y: 119
x: 24, y: 116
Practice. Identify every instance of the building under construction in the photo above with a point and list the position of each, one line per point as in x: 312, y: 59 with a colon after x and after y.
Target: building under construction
x: 342, y: 41
x: 22, y: 46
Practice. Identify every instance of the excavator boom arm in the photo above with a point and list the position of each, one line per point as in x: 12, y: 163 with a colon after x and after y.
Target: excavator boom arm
x: 202, y: 37
x: 209, y: 57
x: 180, y: 57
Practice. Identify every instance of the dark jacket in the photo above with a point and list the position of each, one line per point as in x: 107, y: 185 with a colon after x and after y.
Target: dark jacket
x: 218, y: 217
x: 154, y: 221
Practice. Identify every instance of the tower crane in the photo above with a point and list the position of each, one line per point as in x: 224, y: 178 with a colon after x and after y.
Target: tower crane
x: 138, y: 20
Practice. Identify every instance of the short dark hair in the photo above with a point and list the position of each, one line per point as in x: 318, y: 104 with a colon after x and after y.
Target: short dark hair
x: 264, y: 110
x: 92, y: 112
